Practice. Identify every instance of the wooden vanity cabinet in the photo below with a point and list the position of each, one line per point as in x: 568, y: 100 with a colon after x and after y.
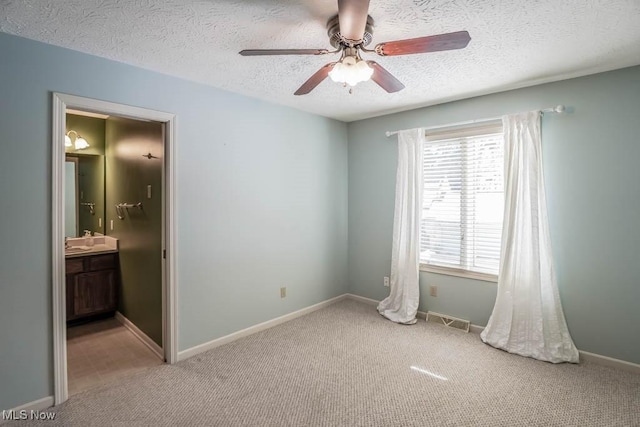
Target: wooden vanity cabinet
x: 92, y: 285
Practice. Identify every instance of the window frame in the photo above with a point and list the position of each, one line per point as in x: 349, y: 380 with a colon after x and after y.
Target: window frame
x: 461, y: 132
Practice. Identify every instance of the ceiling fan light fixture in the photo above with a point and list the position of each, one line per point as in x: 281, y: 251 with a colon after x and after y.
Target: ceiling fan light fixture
x: 351, y: 70
x: 350, y: 31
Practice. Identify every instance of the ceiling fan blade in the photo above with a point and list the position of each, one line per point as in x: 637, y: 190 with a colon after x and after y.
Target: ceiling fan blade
x: 261, y: 52
x: 315, y: 80
x: 384, y: 78
x: 449, y: 41
x: 352, y: 15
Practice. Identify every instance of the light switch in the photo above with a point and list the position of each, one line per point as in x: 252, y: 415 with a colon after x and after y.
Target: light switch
x: 148, y: 191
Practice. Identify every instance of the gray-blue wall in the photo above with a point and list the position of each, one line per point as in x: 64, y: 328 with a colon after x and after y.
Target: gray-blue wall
x: 592, y: 175
x: 261, y: 203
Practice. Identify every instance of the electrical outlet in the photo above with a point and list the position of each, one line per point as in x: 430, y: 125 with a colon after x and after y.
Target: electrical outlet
x: 283, y: 292
x: 386, y: 282
x: 433, y: 291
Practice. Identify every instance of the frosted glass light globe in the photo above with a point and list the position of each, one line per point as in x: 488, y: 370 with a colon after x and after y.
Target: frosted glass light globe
x: 337, y: 74
x: 81, y: 143
x: 351, y: 70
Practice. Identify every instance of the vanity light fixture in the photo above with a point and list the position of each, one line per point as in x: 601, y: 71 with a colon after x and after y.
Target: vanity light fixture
x: 80, y: 142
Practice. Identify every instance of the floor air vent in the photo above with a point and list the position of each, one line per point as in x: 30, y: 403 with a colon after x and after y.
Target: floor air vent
x: 452, y: 322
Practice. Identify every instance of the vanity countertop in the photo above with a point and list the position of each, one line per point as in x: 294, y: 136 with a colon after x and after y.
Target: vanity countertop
x: 102, y: 245
x: 96, y: 249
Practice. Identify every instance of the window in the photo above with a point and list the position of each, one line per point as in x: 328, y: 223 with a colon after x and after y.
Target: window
x: 463, y: 201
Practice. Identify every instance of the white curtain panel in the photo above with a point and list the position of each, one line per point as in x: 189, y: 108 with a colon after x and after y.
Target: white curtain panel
x: 401, y: 305
x: 527, y: 318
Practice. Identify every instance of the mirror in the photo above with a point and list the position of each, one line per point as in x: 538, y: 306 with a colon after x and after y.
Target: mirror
x: 84, y: 176
x: 84, y: 201
x: 70, y: 200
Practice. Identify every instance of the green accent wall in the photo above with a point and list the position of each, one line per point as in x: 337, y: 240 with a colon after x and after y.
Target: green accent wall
x: 92, y: 129
x: 139, y: 234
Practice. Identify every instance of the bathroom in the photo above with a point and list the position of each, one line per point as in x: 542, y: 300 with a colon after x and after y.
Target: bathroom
x: 114, y: 221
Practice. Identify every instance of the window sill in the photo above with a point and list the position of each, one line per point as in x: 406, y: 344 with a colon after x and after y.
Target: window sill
x: 485, y: 277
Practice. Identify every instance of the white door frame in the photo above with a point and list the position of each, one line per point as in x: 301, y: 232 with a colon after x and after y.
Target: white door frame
x: 169, y: 293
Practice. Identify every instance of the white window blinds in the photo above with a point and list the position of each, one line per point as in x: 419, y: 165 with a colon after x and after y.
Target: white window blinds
x: 463, y: 199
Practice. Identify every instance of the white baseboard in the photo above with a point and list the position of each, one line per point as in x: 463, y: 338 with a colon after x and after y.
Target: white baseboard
x: 373, y: 302
x: 476, y: 329
x: 421, y: 314
x: 609, y: 361
x: 185, y: 354
x: 584, y: 355
x: 591, y: 357
x: 36, y: 405
x: 365, y: 300
x: 153, y: 346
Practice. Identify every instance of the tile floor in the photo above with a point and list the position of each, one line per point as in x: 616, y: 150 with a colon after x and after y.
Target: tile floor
x: 101, y: 352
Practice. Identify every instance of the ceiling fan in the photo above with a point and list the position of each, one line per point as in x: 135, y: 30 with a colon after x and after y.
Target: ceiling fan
x: 350, y: 31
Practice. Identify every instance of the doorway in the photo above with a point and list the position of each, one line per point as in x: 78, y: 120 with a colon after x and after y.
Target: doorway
x: 129, y: 217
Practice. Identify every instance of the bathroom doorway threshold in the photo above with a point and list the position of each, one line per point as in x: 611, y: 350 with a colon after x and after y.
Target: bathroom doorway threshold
x: 62, y: 102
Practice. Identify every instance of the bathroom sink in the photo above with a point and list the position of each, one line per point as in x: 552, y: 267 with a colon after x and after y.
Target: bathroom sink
x: 76, y: 249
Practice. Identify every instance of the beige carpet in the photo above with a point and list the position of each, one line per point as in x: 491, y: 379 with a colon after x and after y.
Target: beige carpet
x: 347, y: 366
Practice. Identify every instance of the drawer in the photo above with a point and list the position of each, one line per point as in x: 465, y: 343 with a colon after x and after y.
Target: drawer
x: 73, y: 266
x: 102, y: 262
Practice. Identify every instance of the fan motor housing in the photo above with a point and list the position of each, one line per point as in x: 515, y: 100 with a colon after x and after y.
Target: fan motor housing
x: 336, y: 40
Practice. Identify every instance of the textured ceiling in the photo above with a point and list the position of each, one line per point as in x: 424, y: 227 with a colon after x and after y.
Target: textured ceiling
x: 513, y: 44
